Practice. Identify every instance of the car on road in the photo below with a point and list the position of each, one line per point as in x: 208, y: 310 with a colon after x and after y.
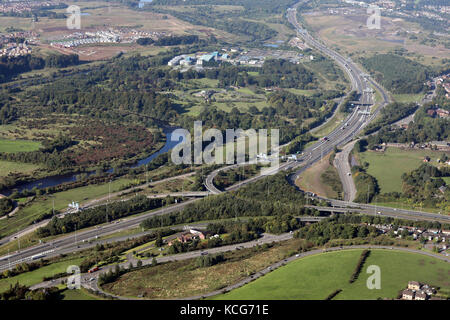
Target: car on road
x: 349, y: 173
x: 204, y: 253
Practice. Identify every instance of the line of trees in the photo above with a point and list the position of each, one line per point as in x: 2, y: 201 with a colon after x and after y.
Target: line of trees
x: 364, y: 255
x: 12, y: 66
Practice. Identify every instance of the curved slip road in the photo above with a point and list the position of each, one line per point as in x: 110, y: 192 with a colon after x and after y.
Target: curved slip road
x: 341, y: 163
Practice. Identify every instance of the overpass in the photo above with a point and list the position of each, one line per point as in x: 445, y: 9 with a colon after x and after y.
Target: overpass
x: 186, y: 194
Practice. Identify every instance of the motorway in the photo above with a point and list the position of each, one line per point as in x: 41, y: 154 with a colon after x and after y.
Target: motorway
x: 340, y: 136
x: 79, y: 240
x: 344, y: 133
x: 387, y: 211
x: 96, y: 202
x: 361, y: 114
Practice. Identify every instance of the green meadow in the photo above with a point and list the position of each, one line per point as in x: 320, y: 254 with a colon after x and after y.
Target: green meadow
x: 387, y: 167
x: 7, y: 167
x: 36, y: 276
x: 13, y: 146
x: 315, y: 277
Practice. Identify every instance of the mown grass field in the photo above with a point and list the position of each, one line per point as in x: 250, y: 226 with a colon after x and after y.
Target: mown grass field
x: 316, y: 277
x: 13, y: 146
x: 397, y: 268
x: 312, y: 278
x: 36, y: 276
x: 407, y: 98
x: 388, y: 167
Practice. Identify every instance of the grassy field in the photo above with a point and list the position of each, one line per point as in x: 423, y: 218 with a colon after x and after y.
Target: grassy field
x: 34, y: 277
x: 80, y: 294
x: 389, y: 166
x: 316, y: 277
x: 397, y: 268
x: 311, y: 278
x: 310, y: 179
x: 7, y: 167
x: 184, y: 279
x: 177, y: 185
x: 13, y: 146
x: 332, y: 124
x: 406, y: 98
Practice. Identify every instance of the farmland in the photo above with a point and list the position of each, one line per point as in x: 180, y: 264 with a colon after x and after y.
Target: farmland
x: 12, y: 146
x: 387, y: 167
x: 315, y: 277
x: 7, y: 167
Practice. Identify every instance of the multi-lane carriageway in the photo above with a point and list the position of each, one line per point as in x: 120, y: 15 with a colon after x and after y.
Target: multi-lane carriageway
x: 361, y: 114
x: 340, y: 136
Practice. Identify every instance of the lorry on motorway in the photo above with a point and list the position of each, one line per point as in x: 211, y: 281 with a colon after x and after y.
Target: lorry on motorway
x: 6, y: 257
x: 37, y: 256
x: 92, y: 270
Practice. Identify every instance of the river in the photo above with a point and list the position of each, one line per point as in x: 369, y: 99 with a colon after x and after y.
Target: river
x: 56, y: 180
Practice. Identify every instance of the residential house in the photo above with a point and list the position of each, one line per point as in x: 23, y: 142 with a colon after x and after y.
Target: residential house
x: 408, y: 294
x: 189, y: 236
x: 431, y: 112
x: 442, y: 113
x: 420, y: 296
x: 413, y: 285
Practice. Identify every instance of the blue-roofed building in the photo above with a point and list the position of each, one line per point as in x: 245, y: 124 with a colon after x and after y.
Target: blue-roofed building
x: 207, y: 57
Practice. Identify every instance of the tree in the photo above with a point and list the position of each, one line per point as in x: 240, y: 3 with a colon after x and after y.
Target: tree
x: 159, y: 242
